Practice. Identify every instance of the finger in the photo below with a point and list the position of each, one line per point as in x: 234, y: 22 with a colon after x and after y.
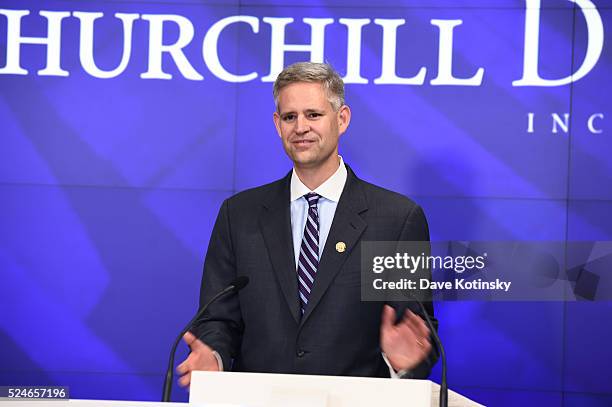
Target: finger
x: 195, y: 344
x: 409, y: 322
x: 409, y: 329
x: 184, y: 367
x: 420, y: 344
x: 424, y: 346
x: 419, y: 331
x: 388, y: 317
x: 421, y: 325
x: 189, y: 338
x: 417, y: 323
x: 184, y: 380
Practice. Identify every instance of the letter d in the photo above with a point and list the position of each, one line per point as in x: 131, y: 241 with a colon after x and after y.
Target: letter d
x: 595, y: 39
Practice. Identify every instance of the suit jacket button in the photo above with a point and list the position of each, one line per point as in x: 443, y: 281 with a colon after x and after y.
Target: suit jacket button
x: 300, y: 353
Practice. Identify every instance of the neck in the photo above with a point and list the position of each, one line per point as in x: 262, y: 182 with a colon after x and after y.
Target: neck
x: 314, y: 177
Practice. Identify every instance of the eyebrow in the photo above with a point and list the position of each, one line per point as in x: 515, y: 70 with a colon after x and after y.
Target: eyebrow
x: 307, y: 111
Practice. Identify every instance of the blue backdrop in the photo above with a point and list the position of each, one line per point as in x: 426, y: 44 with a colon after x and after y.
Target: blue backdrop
x: 109, y: 186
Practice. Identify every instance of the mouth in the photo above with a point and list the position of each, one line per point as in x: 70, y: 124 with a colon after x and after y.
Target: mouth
x: 302, y: 143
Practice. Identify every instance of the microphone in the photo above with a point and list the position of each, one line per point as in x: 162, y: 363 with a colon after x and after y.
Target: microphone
x: 238, y: 284
x: 443, y: 385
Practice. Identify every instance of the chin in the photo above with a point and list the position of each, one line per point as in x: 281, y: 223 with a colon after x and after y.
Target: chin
x: 303, y: 158
x: 304, y: 162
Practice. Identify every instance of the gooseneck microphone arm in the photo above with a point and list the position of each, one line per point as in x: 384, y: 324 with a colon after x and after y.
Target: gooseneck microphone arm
x: 236, y: 285
x: 443, y: 384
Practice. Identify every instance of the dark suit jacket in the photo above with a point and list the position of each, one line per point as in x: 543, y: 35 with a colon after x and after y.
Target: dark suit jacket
x: 260, y: 329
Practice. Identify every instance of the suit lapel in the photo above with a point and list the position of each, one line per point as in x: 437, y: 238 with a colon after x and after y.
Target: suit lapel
x: 276, y: 229
x: 347, y: 227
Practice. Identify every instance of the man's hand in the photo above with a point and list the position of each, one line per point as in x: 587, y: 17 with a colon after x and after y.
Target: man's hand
x: 405, y: 344
x: 200, y: 358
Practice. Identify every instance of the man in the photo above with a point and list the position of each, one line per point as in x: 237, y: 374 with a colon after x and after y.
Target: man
x: 297, y: 239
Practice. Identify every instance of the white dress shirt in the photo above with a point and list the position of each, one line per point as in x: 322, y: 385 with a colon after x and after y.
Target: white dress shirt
x: 330, y: 192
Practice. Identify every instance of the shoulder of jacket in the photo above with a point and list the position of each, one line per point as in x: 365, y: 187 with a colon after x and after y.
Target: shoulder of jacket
x: 257, y: 195
x: 384, y: 198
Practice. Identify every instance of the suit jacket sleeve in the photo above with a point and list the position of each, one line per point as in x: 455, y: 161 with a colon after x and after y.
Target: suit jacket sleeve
x: 221, y: 326
x: 416, y: 229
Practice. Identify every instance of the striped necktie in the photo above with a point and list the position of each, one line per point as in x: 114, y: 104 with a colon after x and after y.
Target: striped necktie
x: 308, y: 261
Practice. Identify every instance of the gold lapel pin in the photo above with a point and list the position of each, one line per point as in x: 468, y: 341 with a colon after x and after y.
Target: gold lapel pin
x: 340, y: 247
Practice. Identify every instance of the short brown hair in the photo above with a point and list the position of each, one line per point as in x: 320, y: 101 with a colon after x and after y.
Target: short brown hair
x: 313, y: 72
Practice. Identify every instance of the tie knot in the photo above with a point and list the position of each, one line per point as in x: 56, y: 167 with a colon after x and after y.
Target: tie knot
x: 312, y: 199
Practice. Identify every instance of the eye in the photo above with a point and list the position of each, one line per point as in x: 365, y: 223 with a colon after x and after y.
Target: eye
x: 314, y: 115
x: 289, y: 117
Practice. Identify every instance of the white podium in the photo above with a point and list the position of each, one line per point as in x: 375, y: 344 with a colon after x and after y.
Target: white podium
x: 229, y: 389
x: 288, y: 390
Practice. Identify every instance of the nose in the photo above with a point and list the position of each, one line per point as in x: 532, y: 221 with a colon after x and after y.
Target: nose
x: 302, y: 125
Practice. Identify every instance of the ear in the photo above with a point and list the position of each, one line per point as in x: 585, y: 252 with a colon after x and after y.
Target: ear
x: 344, y: 118
x: 276, y: 118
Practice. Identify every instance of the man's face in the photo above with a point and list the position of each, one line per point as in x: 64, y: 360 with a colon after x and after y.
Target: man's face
x: 308, y: 125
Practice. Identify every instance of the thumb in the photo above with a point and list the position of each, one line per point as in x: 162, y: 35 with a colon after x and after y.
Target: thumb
x: 388, y: 317
x: 190, y: 339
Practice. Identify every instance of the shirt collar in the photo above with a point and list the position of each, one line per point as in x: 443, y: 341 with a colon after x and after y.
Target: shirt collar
x: 331, y: 189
